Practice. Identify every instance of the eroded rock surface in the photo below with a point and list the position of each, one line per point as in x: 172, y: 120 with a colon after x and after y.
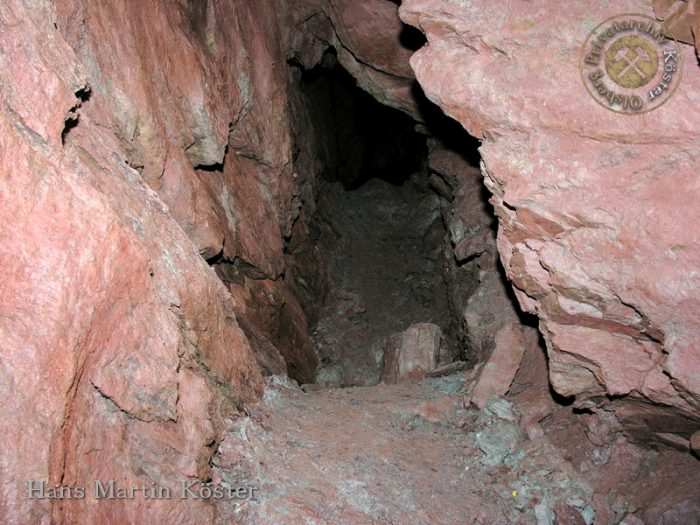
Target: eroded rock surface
x: 592, y: 206
x: 207, y: 110
x: 499, y: 370
x: 364, y: 469
x: 142, y: 140
x: 370, y: 41
x: 139, y: 139
x: 411, y: 353
x: 681, y: 19
x: 120, y: 347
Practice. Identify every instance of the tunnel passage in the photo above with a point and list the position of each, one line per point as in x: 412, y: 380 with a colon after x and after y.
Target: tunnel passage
x: 385, y: 247
x: 379, y: 221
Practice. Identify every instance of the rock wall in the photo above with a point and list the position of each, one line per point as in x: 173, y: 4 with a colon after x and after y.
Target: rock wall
x: 594, y: 207
x: 370, y: 41
x: 681, y: 19
x: 375, y: 47
x: 139, y: 140
x: 202, y: 108
x: 142, y: 141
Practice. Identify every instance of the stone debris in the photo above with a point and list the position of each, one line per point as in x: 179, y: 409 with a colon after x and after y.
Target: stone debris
x: 411, y: 353
x: 171, y: 230
x: 385, y: 250
x: 398, y: 454
x: 592, y: 208
x: 499, y: 370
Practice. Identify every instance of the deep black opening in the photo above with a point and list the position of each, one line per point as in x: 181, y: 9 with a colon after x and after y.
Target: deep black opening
x: 411, y: 38
x: 73, y: 117
x: 447, y: 130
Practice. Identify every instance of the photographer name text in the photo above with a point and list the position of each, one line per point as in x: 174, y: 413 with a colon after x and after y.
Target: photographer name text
x: 110, y: 489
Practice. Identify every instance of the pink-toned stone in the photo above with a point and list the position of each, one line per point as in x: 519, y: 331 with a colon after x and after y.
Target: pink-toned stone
x: 530, y: 387
x: 485, y: 306
x: 411, y: 353
x: 121, y: 349
x: 438, y: 410
x: 112, y: 325
x: 206, y: 125
x: 567, y: 515
x: 271, y: 312
x: 372, y: 29
x: 367, y: 39
x: 631, y: 519
x: 681, y: 19
x: 499, y: 370
x: 593, y: 206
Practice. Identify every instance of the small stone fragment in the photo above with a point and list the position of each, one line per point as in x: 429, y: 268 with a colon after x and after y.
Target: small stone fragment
x: 498, y: 372
x: 411, y: 353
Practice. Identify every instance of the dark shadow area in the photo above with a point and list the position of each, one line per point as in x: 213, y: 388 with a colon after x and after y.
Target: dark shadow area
x: 368, y: 139
x: 452, y: 136
x: 411, y: 38
x: 216, y: 167
x: 379, y: 226
x: 73, y: 117
x: 447, y: 130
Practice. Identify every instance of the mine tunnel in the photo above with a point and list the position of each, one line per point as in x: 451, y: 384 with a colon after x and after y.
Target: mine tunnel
x: 349, y: 261
x: 379, y: 226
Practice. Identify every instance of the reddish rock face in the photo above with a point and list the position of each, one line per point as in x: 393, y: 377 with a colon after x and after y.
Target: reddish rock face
x: 206, y: 126
x: 369, y: 39
x: 121, y: 349
x: 499, y: 370
x: 593, y: 206
x: 411, y: 353
x: 114, y: 331
x: 695, y: 443
x: 681, y: 19
x: 139, y: 138
x: 477, y: 289
x: 272, y: 312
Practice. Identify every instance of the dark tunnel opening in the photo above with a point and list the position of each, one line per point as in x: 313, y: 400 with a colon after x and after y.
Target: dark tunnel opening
x: 365, y: 138
x: 379, y: 221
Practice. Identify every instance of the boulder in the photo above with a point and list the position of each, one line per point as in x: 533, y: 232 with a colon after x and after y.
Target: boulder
x: 695, y: 443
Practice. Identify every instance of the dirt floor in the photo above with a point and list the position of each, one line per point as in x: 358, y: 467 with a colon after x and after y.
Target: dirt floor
x: 413, y: 454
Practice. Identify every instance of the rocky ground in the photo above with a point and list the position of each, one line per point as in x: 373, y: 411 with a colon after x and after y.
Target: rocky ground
x: 414, y: 454
x: 133, y: 164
